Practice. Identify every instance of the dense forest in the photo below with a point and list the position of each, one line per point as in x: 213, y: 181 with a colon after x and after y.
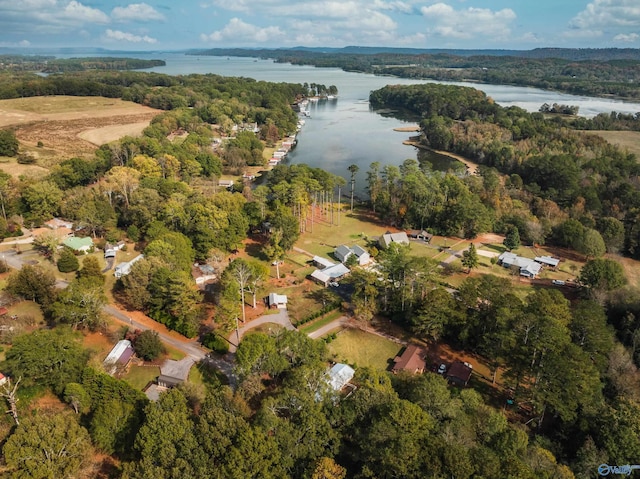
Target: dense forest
x: 580, y: 72
x: 571, y: 398
x: 49, y: 64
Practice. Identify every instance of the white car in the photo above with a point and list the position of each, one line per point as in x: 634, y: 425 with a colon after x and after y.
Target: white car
x: 334, y: 284
x: 558, y: 282
x: 442, y: 369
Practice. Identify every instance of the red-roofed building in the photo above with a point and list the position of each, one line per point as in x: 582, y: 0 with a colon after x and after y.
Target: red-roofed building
x: 460, y: 373
x: 411, y: 360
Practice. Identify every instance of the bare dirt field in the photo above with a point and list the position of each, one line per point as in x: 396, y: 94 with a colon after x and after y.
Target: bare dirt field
x: 72, y: 126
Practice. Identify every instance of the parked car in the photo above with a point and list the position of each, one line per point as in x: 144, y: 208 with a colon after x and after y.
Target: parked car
x: 558, y: 282
x: 442, y: 368
x: 334, y: 284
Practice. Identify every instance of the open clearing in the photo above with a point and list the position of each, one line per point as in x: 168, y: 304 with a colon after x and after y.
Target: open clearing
x: 72, y: 126
x: 364, y: 349
x: 627, y: 140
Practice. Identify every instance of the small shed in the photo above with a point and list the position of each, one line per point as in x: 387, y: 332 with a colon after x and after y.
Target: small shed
x: 81, y: 245
x: 411, y: 360
x: 120, y: 355
x: 276, y: 300
x: 459, y: 373
x: 420, y: 235
x: 56, y: 223
x: 173, y: 372
x: 340, y: 375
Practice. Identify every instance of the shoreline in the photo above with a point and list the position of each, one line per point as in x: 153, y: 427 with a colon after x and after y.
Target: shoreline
x: 472, y: 168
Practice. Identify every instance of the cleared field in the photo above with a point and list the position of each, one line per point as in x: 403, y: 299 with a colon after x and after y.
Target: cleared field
x: 364, y: 349
x: 69, y: 125
x: 15, y: 169
x: 628, y: 140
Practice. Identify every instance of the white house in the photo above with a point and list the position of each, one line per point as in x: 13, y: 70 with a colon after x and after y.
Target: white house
x: 276, y: 300
x: 123, y: 269
x: 388, y: 238
x: 120, y: 354
x: 343, y: 253
x: 340, y: 375
x: 332, y: 273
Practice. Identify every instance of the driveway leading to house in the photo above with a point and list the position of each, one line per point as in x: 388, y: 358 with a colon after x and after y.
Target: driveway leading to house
x: 281, y: 318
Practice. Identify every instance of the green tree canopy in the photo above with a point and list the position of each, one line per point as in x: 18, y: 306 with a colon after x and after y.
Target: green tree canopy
x: 602, y: 274
x: 47, y: 447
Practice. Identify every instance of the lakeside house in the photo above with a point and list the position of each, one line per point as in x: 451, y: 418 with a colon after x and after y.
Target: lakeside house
x: 79, y: 245
x: 389, y: 238
x: 528, y: 268
x: 123, y: 269
x: 411, y: 360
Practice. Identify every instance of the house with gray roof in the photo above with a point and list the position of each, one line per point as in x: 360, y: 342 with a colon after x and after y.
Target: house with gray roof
x: 389, y: 238
x: 343, y: 252
x: 173, y: 372
x: 528, y: 268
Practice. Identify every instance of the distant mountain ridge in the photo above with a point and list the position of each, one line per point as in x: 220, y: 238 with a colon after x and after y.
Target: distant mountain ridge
x: 572, y: 54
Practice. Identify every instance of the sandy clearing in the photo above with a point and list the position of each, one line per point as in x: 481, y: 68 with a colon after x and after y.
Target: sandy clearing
x: 16, y: 117
x: 107, y: 134
x: 16, y: 170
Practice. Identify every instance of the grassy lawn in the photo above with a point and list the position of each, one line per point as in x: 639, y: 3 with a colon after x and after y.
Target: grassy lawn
x: 627, y: 140
x: 173, y: 353
x: 364, y: 349
x: 320, y: 322
x: 139, y: 376
x: 27, y: 308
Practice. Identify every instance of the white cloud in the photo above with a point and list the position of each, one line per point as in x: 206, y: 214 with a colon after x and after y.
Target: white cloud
x: 240, y: 32
x: 78, y: 12
x: 136, y: 12
x: 117, y: 35
x: 630, y: 37
x: 468, y: 23
x: 608, y: 13
x: 24, y: 43
x: 582, y: 34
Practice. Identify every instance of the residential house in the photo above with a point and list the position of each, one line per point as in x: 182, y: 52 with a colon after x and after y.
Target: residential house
x: 548, y: 261
x: 528, y: 268
x: 123, y: 269
x: 343, y: 252
x: 173, y: 372
x: 459, y: 373
x: 79, y: 245
x: 111, y: 249
x: 275, y: 300
x: 56, y: 223
x: 340, y: 375
x: 3, y: 379
x: 389, y: 238
x: 120, y: 355
x: 329, y: 274
x: 320, y: 262
x: 411, y: 360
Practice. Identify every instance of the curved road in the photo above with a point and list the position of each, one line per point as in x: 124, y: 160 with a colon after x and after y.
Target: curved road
x: 281, y: 318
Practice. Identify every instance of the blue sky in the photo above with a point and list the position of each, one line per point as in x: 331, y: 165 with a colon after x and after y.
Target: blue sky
x: 174, y: 24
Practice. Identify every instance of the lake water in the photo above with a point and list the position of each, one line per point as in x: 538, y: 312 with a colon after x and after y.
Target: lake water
x: 346, y: 131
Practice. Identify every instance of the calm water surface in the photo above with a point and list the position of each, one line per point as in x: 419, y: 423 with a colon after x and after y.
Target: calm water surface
x: 346, y: 131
